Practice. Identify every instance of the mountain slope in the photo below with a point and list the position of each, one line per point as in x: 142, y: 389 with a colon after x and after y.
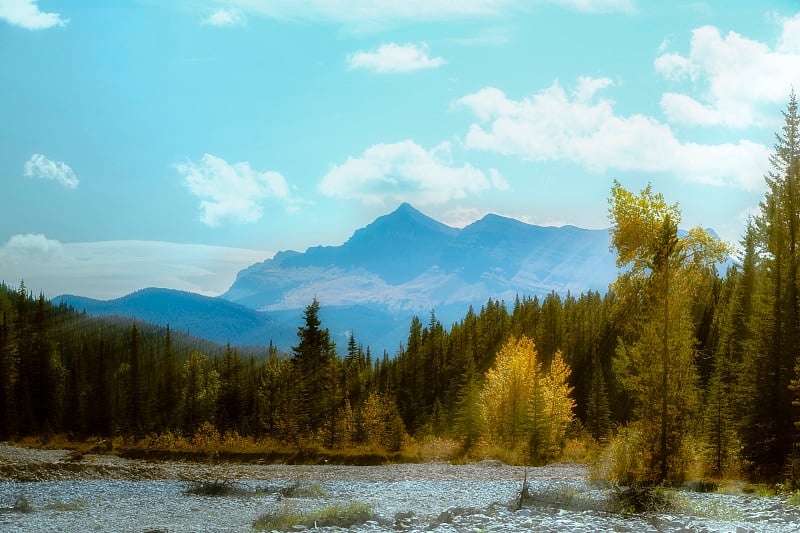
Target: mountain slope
x: 221, y: 321
x: 407, y: 263
x: 214, y: 319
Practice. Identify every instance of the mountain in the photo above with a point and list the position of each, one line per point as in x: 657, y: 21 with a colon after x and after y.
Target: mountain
x: 222, y: 321
x: 214, y: 319
x: 402, y: 264
x: 408, y: 262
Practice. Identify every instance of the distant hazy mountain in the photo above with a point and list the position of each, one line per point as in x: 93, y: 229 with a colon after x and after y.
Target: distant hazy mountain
x: 214, y: 319
x: 407, y: 262
x: 221, y: 321
x: 402, y: 264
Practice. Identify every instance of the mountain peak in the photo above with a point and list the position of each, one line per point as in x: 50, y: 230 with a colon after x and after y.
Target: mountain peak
x: 406, y: 211
x: 406, y: 207
x: 407, y: 221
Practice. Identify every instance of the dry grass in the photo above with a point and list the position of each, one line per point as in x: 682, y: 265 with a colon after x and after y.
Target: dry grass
x: 209, y: 445
x: 340, y: 515
x: 621, y: 460
x: 434, y: 449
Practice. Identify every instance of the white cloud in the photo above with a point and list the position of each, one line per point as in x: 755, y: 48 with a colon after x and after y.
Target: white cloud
x: 40, y: 167
x: 497, y: 180
x: 30, y: 247
x: 26, y: 14
x: 461, y: 217
x: 789, y: 41
x: 111, y: 269
x: 395, y: 58
x: 738, y: 75
x: 226, y: 17
x: 588, y: 87
x: 371, y: 15
x: 551, y: 126
x: 230, y: 192
x: 405, y: 171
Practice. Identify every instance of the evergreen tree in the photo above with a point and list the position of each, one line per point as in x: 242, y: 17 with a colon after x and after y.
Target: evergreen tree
x: 410, y: 379
x: 468, y: 421
x: 231, y: 392
x: 768, y: 431
x: 199, y: 393
x: 9, y: 367
x: 598, y: 419
x: 311, y: 360
x: 133, y: 384
x: 720, y: 427
x: 99, y: 394
x: 169, y: 385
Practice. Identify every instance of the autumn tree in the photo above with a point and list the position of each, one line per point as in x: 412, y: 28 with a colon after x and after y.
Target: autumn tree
x: 382, y: 423
x: 523, y: 405
x: 662, y: 272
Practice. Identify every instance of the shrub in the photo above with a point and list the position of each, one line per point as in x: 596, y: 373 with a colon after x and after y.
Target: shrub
x: 75, y: 505
x: 21, y: 505
x: 303, y: 491
x: 717, y: 510
x: 207, y: 437
x: 641, y: 498
x: 343, y: 516
x: 793, y: 498
x: 213, y: 488
x: 621, y: 461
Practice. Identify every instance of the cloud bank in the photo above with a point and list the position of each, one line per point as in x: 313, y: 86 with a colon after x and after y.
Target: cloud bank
x: 372, y: 15
x: 552, y: 125
x: 112, y: 269
x: 738, y: 74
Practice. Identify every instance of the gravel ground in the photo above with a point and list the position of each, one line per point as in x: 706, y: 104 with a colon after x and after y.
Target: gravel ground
x: 45, y: 491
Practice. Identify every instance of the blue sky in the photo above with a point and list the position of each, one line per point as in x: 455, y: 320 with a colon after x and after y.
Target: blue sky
x: 143, y: 145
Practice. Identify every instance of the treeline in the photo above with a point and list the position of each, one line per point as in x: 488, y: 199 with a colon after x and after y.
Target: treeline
x: 61, y: 371
x: 675, y: 368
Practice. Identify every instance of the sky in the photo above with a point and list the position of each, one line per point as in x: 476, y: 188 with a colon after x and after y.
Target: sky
x: 171, y: 144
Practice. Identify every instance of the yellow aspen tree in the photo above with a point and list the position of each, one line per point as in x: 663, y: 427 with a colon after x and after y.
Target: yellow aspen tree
x: 523, y: 405
x: 505, y: 398
x: 560, y: 404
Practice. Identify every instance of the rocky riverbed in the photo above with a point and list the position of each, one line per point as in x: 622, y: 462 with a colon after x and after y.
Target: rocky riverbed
x: 46, y: 490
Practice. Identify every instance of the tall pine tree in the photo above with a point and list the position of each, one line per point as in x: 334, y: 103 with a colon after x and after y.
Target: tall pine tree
x: 768, y: 431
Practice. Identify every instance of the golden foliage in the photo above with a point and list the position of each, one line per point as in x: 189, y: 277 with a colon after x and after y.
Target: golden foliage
x: 523, y: 405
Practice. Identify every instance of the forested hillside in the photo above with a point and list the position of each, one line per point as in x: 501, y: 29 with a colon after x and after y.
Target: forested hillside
x: 694, y: 369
